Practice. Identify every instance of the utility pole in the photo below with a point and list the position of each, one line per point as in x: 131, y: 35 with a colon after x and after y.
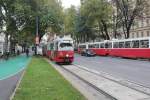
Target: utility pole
x: 37, y: 34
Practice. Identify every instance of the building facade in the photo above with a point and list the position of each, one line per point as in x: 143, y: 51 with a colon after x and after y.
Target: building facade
x: 141, y: 28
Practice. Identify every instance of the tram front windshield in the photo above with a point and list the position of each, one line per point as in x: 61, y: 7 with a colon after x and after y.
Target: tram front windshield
x: 66, y: 46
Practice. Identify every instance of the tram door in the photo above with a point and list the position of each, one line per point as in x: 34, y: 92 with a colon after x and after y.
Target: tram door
x: 55, y: 50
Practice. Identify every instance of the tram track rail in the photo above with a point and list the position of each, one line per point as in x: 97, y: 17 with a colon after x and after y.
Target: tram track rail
x: 125, y: 83
x: 90, y: 84
x: 91, y: 81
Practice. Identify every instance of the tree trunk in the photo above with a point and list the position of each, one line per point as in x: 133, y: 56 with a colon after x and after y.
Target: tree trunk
x: 101, y: 31
x: 128, y: 33
x: 6, y: 43
x: 129, y: 25
x: 105, y: 29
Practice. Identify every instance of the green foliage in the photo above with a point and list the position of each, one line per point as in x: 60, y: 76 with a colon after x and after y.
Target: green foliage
x: 51, y: 15
x: 128, y: 10
x: 69, y: 20
x: 83, y: 22
x: 19, y: 18
x: 98, y: 13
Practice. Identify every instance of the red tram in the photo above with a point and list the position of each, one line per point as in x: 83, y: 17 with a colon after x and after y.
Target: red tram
x: 61, y: 50
x: 82, y: 47
x: 129, y: 48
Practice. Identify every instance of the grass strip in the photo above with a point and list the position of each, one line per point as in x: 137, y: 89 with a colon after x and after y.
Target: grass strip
x: 42, y: 82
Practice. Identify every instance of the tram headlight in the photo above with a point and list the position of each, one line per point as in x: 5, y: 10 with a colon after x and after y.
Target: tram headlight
x: 67, y: 55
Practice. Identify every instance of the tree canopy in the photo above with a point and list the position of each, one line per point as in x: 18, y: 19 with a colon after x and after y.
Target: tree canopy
x: 127, y: 11
x: 91, y: 21
x: 18, y: 18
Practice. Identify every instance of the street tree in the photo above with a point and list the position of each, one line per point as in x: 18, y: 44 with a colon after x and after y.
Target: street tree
x: 83, y: 32
x: 18, y: 18
x: 127, y: 11
x: 98, y: 13
x: 12, y: 18
x: 69, y: 20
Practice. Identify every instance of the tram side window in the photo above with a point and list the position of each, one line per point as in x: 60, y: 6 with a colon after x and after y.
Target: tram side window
x: 116, y: 45
x: 91, y: 46
x: 121, y: 44
x: 109, y: 45
x: 96, y: 45
x: 106, y: 45
x: 51, y: 46
x: 62, y: 45
x: 144, y: 44
x: 82, y: 46
x: 135, y: 44
x: 102, y: 45
x: 128, y: 44
x: 56, y: 47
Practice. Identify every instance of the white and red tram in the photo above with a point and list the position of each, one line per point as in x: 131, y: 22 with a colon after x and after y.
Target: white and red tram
x: 130, y: 48
x: 61, y: 50
x: 82, y: 47
x: 49, y: 49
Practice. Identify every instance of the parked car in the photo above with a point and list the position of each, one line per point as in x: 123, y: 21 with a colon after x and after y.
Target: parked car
x: 88, y: 53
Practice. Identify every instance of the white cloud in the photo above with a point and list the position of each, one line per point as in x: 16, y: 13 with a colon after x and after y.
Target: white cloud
x: 68, y: 3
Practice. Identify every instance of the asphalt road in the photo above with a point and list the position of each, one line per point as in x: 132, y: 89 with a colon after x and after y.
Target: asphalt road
x: 134, y: 70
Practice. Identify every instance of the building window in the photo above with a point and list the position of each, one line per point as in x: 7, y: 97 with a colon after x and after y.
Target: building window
x: 132, y: 27
x: 138, y: 24
x: 132, y: 35
x: 137, y: 34
x: 147, y: 22
x: 148, y: 34
x: 142, y: 35
x: 142, y: 23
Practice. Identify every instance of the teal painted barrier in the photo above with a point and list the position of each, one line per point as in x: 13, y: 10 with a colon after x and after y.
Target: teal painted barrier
x: 13, y: 66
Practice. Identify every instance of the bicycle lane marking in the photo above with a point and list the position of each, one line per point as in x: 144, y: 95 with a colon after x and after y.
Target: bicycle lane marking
x: 13, y: 66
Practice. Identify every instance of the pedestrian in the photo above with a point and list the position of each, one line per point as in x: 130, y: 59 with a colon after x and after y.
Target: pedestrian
x: 27, y: 52
x: 6, y: 55
x: 18, y: 52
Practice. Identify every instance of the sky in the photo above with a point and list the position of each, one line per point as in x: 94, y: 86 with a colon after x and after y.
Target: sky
x: 68, y: 3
